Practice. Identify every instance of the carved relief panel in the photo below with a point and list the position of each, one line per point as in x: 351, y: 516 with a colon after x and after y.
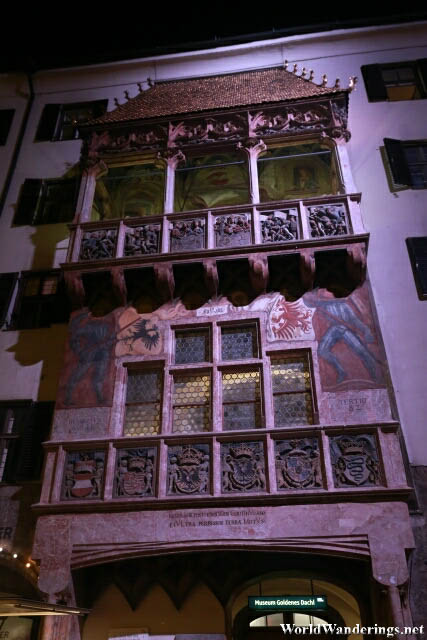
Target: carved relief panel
x: 233, y: 230
x: 98, y: 245
x: 242, y: 467
x: 142, y: 240
x: 279, y: 225
x: 355, y: 461
x: 84, y: 475
x: 188, y: 235
x: 135, y: 472
x: 328, y: 220
x: 298, y: 464
x: 188, y: 469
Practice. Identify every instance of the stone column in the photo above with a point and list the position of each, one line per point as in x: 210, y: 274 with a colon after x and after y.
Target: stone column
x: 171, y: 158
x: 87, y: 190
x: 253, y: 148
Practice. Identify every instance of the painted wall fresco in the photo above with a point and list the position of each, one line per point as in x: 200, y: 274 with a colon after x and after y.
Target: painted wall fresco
x: 87, y: 376
x: 350, y: 356
x: 341, y: 330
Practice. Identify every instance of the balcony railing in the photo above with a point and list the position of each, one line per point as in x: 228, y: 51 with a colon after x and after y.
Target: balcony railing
x: 311, y: 463
x: 221, y: 228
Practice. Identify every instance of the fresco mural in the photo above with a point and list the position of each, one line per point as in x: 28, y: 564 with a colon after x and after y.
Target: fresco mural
x: 350, y: 356
x: 341, y: 329
x: 87, y: 378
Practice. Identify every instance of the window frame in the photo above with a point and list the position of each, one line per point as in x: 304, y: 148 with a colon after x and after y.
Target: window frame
x: 398, y: 168
x: 52, y: 119
x: 33, y: 199
x: 40, y: 300
x: 6, y: 120
x: 140, y: 368
x: 418, y: 258
x: 376, y: 86
x: 295, y: 353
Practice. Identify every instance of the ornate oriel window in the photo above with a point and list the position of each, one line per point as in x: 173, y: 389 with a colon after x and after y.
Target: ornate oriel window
x: 129, y: 191
x: 292, y: 171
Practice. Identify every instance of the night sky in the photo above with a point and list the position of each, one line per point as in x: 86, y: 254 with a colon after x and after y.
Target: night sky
x: 72, y: 36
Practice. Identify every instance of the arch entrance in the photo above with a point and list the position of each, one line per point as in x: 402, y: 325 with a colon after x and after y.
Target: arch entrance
x: 206, y: 593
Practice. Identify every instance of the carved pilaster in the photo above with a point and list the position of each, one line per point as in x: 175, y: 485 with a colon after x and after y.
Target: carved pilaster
x: 171, y: 157
x: 211, y: 277
x: 258, y: 273
x: 93, y: 169
x: 165, y: 281
x: 307, y: 268
x: 253, y: 147
x: 119, y: 285
x: 75, y: 289
x: 356, y: 264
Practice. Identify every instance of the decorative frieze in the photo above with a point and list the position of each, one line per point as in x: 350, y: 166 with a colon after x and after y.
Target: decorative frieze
x: 210, y: 129
x: 355, y: 461
x: 188, y: 469
x: 135, y: 472
x: 242, y: 467
x: 84, y: 475
x: 187, y: 235
x: 142, y: 240
x: 327, y: 220
x: 98, y: 245
x: 298, y: 464
x: 290, y: 119
x: 233, y: 230
x: 279, y: 225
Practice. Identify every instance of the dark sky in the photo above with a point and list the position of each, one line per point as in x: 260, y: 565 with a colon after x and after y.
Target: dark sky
x: 74, y: 36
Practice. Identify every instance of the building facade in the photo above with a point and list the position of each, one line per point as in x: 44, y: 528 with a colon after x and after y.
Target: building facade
x: 196, y: 328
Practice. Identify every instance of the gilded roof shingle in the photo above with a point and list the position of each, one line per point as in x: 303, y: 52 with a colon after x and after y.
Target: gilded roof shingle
x: 215, y: 92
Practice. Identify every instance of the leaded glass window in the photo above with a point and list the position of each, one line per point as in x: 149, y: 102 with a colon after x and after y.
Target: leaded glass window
x: 191, y: 402
x: 143, y: 403
x: 192, y: 345
x: 241, y: 400
x: 239, y: 343
x: 291, y: 391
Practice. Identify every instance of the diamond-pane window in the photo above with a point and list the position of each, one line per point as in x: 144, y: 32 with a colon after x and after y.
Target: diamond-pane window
x: 239, y: 343
x: 191, y: 345
x: 241, y: 399
x: 291, y: 391
x: 191, y: 402
x: 143, y: 403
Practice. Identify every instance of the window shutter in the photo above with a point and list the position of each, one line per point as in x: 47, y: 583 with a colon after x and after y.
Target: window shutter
x: 374, y: 83
x: 417, y: 248
x: 397, y: 161
x: 422, y: 68
x: 7, y: 284
x: 48, y: 121
x: 27, y: 203
x: 25, y: 454
x: 6, y: 117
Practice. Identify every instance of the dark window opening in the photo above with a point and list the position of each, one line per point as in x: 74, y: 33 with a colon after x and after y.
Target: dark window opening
x: 61, y: 121
x: 396, y: 81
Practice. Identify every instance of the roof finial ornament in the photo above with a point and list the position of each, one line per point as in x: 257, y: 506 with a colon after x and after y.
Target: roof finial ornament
x: 116, y: 102
x: 303, y: 72
x: 337, y: 84
x: 140, y: 87
x: 311, y: 75
x: 285, y: 65
x: 127, y: 96
x: 295, y: 68
x: 352, y: 83
x: 150, y: 82
x: 324, y: 80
